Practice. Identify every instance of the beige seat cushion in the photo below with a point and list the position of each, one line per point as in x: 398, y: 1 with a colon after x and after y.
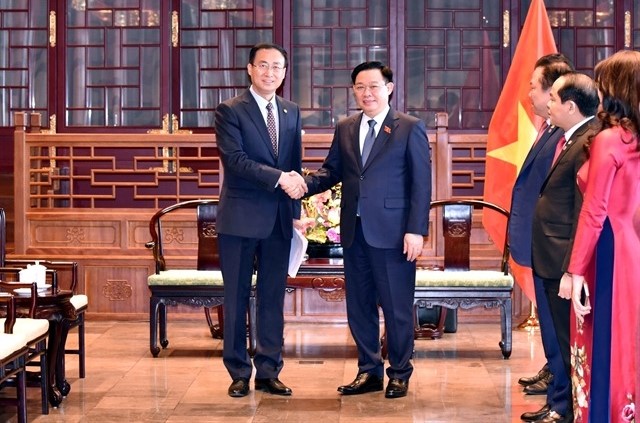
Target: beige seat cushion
x: 11, y: 343
x: 79, y: 301
x: 473, y: 278
x: 31, y: 329
x: 188, y: 277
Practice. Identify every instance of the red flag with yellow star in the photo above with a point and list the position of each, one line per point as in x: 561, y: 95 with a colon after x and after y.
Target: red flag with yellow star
x: 513, y: 129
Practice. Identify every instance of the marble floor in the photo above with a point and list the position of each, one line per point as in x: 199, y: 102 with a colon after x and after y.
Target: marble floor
x: 459, y: 378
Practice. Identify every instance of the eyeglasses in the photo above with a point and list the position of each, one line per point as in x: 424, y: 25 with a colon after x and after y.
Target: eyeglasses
x: 264, y: 68
x: 360, y: 88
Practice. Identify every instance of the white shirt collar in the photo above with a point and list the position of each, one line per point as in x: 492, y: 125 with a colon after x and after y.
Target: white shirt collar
x: 569, y: 133
x: 379, y: 118
x: 262, y: 102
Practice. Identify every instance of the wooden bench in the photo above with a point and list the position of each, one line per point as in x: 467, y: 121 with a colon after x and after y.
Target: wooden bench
x: 457, y: 286
x: 201, y: 286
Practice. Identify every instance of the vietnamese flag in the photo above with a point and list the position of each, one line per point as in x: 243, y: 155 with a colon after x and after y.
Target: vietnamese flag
x: 513, y: 129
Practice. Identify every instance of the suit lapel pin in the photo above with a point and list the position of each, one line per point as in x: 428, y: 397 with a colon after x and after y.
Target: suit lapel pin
x: 284, y: 110
x: 387, y: 129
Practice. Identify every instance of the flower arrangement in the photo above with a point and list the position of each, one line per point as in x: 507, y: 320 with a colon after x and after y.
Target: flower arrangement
x: 320, y: 216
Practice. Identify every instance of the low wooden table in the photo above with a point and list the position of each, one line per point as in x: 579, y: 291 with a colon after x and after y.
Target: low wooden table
x: 319, y: 273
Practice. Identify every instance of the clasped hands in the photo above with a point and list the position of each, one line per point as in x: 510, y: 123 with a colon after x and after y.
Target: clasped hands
x: 571, y: 287
x: 293, y: 184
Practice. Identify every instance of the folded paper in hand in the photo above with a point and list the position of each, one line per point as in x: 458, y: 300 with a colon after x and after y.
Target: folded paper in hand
x: 298, y: 249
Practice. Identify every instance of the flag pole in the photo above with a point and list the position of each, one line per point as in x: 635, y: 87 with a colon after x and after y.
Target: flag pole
x: 531, y: 323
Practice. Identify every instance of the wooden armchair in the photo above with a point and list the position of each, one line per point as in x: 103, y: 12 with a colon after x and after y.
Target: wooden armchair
x: 67, y: 272
x: 459, y: 286
x: 13, y: 353
x: 183, y: 225
x: 34, y: 331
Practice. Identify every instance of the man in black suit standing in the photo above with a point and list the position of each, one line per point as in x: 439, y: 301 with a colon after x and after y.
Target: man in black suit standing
x: 572, y: 106
x: 525, y: 194
x: 259, y: 138
x: 381, y: 157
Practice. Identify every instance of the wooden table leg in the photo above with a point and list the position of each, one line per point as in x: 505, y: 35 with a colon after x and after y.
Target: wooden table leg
x: 53, y: 349
x: 61, y: 381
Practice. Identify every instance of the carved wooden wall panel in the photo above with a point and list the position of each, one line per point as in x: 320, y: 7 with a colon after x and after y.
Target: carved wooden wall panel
x: 114, y: 288
x: 80, y: 234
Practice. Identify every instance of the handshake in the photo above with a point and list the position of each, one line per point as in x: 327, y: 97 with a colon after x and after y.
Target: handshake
x: 293, y: 184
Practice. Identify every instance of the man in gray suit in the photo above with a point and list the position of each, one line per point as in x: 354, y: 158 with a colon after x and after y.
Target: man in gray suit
x: 382, y: 159
x: 572, y: 106
x: 259, y: 138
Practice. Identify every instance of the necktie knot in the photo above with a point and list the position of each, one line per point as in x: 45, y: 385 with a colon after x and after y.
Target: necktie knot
x: 269, y: 106
x: 372, y: 123
x: 561, y: 142
x: 541, y: 131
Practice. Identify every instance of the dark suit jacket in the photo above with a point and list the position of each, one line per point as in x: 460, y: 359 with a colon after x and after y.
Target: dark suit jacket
x: 249, y: 199
x: 393, y: 188
x: 525, y: 194
x: 556, y: 214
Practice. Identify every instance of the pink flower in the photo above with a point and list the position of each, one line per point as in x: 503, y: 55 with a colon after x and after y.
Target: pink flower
x: 307, y: 222
x: 629, y: 412
x: 334, y: 235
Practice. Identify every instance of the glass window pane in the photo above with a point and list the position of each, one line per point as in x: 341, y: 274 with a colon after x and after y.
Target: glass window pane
x: 113, y: 64
x: 24, y: 63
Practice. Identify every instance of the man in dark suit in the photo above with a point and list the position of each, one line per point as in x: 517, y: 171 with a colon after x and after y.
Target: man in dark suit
x: 382, y: 159
x: 525, y: 194
x: 259, y: 138
x: 572, y: 105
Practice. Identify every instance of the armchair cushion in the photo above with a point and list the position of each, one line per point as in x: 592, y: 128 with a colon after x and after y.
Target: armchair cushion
x: 188, y: 277
x: 10, y: 343
x: 472, y: 278
x: 79, y: 301
x: 30, y: 329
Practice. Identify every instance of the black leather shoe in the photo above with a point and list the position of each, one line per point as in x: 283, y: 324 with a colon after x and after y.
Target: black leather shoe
x: 362, y: 384
x: 540, y: 387
x: 534, y: 416
x: 273, y: 386
x: 526, y: 381
x: 397, y: 388
x: 555, y: 417
x: 239, y: 388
